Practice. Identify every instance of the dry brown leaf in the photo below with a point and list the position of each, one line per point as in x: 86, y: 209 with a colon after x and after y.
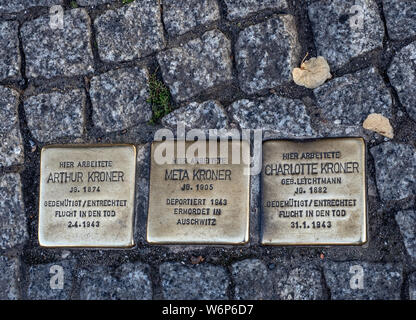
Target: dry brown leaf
x: 197, y: 260
x: 380, y: 124
x: 312, y: 73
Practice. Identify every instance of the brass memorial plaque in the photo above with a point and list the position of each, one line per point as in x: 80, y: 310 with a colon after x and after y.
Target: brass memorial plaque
x: 314, y: 192
x: 200, y: 193
x: 87, y: 196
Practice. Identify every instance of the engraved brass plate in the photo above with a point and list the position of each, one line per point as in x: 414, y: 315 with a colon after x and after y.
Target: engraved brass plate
x: 200, y: 196
x: 314, y: 192
x: 87, y: 196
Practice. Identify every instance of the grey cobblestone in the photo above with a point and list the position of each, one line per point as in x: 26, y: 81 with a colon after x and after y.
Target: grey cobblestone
x: 13, y: 228
x: 412, y: 286
x: 202, y: 282
x: 348, y: 100
x: 55, y: 115
x: 243, y: 8
x: 198, y: 65
x: 381, y: 281
x: 266, y: 53
x: 400, y: 18
x: 345, y: 29
x: 206, y: 115
x: 252, y: 280
x: 338, y: 130
x: 395, y: 170
x: 407, y: 223
x: 127, y: 282
x: 58, y: 52
x: 402, y: 74
x: 11, y: 146
x: 273, y: 113
x: 10, y: 6
x: 119, y: 99
x: 44, y: 281
x: 9, y: 278
x: 121, y: 36
x: 9, y: 50
x: 182, y: 16
x: 300, y: 283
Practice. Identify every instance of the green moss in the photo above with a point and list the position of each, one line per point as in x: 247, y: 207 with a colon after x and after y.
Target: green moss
x: 127, y: 1
x: 74, y: 4
x: 159, y: 99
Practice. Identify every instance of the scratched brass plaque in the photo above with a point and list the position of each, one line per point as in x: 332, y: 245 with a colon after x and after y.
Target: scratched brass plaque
x: 314, y: 192
x: 200, y: 193
x: 87, y: 196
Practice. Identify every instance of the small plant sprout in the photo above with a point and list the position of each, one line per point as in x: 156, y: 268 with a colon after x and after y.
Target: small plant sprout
x: 159, y: 98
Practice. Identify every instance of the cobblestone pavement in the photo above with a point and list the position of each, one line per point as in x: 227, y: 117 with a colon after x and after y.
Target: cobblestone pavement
x: 227, y: 64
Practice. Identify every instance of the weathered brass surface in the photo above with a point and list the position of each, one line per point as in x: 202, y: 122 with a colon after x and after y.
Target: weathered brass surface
x: 314, y: 192
x: 192, y: 202
x: 87, y: 196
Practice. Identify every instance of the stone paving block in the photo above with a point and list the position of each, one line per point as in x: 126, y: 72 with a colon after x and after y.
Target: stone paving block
x: 13, y: 225
x: 412, y: 286
x: 272, y: 113
x: 180, y: 17
x: 407, y: 223
x: 381, y: 281
x: 395, y: 170
x: 206, y: 115
x: 351, y: 98
x: 127, y: 282
x: 9, y: 50
x: 52, y: 52
x: 200, y: 282
x: 299, y: 283
x: 11, y: 145
x: 198, y: 65
x: 55, y: 115
x: 9, y: 278
x: 345, y: 29
x: 237, y: 9
x: 333, y: 129
x: 252, y: 280
x: 53, y: 281
x: 266, y: 53
x: 11, y: 6
x: 400, y: 18
x: 130, y: 32
x: 119, y: 99
x: 402, y: 74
